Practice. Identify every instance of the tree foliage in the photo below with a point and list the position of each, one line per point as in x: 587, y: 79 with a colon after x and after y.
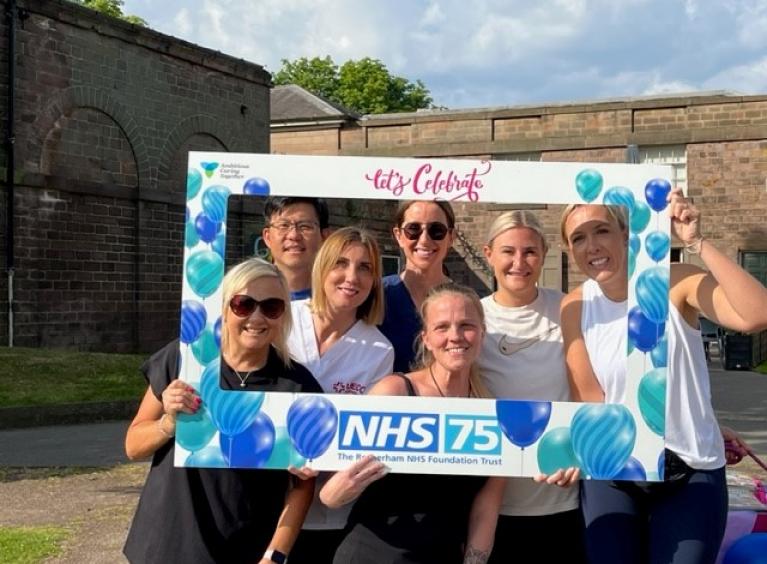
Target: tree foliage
x: 112, y: 8
x: 365, y: 86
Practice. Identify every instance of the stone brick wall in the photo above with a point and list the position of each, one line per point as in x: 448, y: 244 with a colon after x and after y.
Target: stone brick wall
x: 105, y: 115
x: 725, y: 136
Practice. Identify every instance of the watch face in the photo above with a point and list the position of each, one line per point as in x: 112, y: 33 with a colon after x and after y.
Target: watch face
x: 276, y: 556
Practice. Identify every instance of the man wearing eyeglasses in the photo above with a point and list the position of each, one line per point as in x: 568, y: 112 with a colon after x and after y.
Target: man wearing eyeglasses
x: 294, y: 230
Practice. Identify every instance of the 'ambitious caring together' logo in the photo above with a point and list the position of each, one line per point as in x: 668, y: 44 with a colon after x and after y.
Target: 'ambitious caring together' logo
x: 444, y: 184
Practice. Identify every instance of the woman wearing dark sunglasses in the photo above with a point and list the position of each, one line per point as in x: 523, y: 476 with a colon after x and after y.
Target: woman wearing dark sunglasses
x: 335, y: 336
x: 210, y: 515
x: 424, y: 230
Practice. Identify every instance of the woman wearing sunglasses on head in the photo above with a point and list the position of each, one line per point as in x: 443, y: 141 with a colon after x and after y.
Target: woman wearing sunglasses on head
x: 424, y: 230
x: 522, y: 358
x: 335, y: 336
x: 198, y: 515
x: 682, y: 519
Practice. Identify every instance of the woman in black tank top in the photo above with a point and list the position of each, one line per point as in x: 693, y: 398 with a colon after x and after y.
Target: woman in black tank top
x: 414, y: 518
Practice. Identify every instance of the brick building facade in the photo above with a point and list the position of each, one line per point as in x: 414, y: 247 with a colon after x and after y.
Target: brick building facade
x: 105, y: 113
x: 716, y: 143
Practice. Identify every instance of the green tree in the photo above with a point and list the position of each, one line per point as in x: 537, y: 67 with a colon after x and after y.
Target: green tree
x: 365, y: 86
x: 112, y: 8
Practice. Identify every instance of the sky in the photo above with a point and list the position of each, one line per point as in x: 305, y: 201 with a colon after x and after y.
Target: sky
x: 489, y: 53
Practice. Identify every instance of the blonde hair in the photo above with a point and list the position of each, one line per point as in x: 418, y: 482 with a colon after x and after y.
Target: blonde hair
x: 239, y: 277
x: 617, y: 214
x: 372, y: 309
x: 516, y: 218
x: 425, y: 358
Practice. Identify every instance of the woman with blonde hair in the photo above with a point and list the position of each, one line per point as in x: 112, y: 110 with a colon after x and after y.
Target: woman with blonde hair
x: 220, y: 515
x: 682, y: 519
x: 522, y: 358
x: 414, y: 518
x: 335, y: 336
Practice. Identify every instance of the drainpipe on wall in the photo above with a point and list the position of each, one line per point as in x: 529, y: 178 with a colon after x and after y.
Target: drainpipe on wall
x: 10, y: 139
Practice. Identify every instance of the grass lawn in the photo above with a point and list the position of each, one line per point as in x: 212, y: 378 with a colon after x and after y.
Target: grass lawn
x: 762, y: 368
x: 29, y: 545
x: 52, y: 376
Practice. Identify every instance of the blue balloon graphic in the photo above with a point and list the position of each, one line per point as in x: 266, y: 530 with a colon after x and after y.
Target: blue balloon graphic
x: 643, y: 333
x: 652, y: 400
x: 662, y: 464
x: 214, y: 203
x: 204, y: 348
x: 219, y: 245
x: 252, y: 447
x: 217, y: 332
x: 204, y: 272
x: 603, y: 437
x: 749, y: 549
x: 652, y: 293
x: 206, y: 228
x: 659, y: 354
x: 640, y: 217
x: 193, y: 183
x: 656, y: 191
x: 191, y: 238
x: 619, y: 196
x: 256, y: 187
x: 632, y: 262
x: 634, y: 243
x: 555, y: 451
x: 208, y: 457
x: 657, y: 245
x: 195, y: 431
x: 633, y: 470
x: 312, y: 423
x: 284, y: 453
x: 193, y: 319
x: 523, y: 422
x: 588, y: 184
x: 231, y: 411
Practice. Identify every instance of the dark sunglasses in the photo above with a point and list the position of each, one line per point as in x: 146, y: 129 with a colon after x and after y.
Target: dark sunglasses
x: 436, y: 230
x: 243, y: 306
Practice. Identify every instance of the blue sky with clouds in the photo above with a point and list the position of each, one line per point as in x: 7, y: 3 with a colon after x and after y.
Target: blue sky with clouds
x: 495, y: 52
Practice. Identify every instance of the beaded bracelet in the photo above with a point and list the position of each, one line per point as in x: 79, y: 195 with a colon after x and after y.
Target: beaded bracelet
x: 162, y: 429
x: 694, y: 247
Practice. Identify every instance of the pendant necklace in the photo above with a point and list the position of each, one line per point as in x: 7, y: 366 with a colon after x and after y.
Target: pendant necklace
x: 243, y: 379
x: 433, y: 379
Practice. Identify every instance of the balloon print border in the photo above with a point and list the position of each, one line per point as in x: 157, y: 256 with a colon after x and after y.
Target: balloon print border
x: 273, y: 430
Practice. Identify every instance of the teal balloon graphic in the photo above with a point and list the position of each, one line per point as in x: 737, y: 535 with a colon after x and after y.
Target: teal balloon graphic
x: 555, y: 451
x: 209, y: 457
x: 205, y: 348
x: 659, y: 355
x: 232, y: 411
x: 640, y: 217
x: 634, y: 243
x: 632, y: 261
x: 652, y: 399
x: 214, y: 203
x: 588, y: 184
x: 195, y: 431
x: 219, y: 245
x: 619, y: 196
x: 284, y: 453
x: 657, y: 245
x: 204, y: 272
x: 652, y: 293
x: 191, y: 238
x: 603, y: 437
x: 193, y: 183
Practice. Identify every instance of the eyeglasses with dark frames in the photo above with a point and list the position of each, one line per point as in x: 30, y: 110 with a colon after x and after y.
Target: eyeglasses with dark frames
x: 303, y: 227
x: 243, y: 305
x: 436, y: 230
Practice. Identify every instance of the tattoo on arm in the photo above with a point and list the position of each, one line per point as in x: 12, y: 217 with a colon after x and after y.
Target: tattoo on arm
x: 475, y: 556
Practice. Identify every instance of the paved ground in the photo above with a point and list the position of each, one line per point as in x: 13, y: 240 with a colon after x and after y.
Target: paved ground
x: 97, y: 505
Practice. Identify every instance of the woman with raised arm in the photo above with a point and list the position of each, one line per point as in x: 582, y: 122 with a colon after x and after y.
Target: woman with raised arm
x: 414, y: 518
x: 523, y: 358
x: 424, y: 230
x: 682, y: 519
x: 335, y: 336
x: 200, y: 515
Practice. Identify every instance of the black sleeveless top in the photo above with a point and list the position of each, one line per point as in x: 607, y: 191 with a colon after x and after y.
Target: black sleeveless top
x: 410, y: 518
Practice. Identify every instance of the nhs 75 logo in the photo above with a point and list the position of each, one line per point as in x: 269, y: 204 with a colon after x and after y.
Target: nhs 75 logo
x: 413, y: 432
x: 472, y: 434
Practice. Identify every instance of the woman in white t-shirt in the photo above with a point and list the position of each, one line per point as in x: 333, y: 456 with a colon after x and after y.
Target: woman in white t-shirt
x: 334, y: 335
x: 523, y: 358
x: 682, y: 519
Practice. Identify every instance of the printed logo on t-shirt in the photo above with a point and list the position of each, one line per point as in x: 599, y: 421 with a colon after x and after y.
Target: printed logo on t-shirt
x: 348, y: 388
x: 508, y: 345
